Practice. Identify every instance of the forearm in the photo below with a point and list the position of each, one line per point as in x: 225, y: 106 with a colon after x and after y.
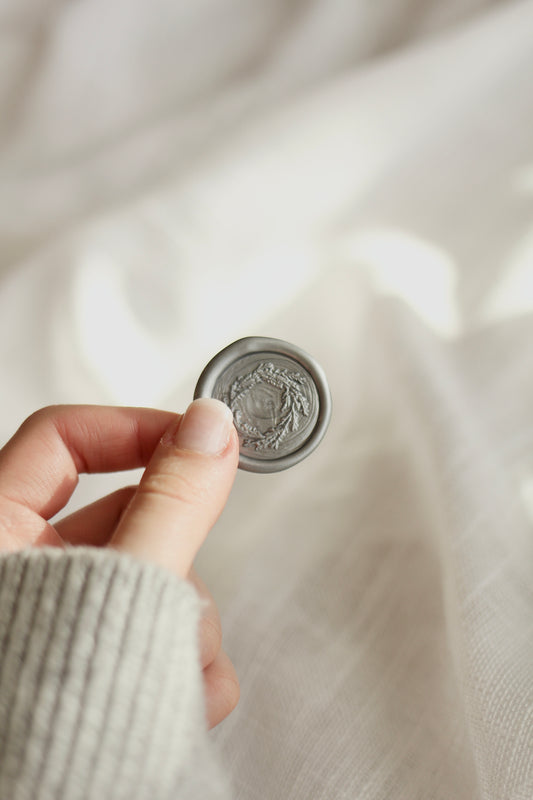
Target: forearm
x: 100, y: 685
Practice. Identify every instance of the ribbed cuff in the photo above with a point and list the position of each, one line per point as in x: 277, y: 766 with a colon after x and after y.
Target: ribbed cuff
x: 100, y: 685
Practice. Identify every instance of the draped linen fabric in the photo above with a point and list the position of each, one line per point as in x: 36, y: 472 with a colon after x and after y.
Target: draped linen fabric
x: 356, y: 178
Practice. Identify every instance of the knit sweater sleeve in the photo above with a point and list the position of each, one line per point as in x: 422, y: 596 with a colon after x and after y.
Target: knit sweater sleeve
x: 101, y: 691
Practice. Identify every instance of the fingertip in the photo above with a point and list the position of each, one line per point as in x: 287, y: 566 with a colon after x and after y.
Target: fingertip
x: 222, y: 689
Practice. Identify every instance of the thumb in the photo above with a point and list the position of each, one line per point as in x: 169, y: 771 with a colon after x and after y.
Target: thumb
x: 183, y: 490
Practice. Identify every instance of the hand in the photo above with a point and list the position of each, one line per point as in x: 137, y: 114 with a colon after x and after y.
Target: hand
x: 190, y: 461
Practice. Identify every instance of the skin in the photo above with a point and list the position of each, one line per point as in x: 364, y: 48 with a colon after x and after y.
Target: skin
x: 164, y: 520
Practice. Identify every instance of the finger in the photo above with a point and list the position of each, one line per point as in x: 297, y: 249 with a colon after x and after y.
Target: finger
x: 39, y: 466
x: 20, y: 527
x: 222, y: 689
x: 210, y: 627
x: 94, y: 524
x: 183, y: 489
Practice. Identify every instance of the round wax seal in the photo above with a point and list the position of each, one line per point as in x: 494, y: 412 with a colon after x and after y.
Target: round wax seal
x: 279, y: 397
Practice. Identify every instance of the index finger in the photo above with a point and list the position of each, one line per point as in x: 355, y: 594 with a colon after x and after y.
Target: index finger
x: 39, y: 466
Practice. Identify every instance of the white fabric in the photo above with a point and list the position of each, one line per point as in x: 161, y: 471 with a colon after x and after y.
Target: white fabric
x: 356, y: 178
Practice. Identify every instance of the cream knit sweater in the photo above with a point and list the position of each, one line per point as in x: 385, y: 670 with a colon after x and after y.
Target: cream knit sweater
x: 100, y: 684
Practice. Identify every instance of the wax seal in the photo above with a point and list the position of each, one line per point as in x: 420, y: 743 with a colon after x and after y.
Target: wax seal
x: 279, y: 397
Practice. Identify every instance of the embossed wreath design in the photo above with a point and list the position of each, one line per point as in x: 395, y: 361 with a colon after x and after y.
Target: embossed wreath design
x: 294, y: 404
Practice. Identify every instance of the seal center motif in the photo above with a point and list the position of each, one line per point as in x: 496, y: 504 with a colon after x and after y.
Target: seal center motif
x: 268, y: 404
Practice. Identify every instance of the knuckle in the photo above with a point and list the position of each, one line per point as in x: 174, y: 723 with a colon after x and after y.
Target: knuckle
x: 46, y: 420
x: 42, y: 415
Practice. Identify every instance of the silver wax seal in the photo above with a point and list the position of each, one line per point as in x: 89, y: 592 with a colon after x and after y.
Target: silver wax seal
x: 279, y: 397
